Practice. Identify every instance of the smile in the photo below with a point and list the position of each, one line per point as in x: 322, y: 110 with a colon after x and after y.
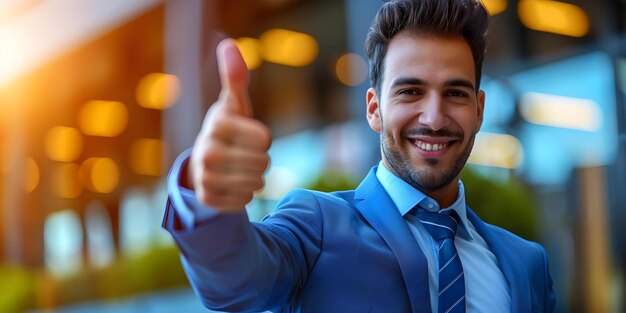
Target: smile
x: 430, y: 147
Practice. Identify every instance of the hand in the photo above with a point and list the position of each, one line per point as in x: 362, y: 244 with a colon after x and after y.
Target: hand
x: 229, y: 156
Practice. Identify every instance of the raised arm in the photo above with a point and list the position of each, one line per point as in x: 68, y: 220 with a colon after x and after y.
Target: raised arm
x: 232, y: 264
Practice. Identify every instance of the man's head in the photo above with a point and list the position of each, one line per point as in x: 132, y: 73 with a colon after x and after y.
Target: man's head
x: 467, y: 18
x: 425, y: 59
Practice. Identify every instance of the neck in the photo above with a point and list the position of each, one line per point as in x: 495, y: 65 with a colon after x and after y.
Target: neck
x: 445, y: 196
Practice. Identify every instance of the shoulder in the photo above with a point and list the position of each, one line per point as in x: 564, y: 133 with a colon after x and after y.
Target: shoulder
x: 305, y: 197
x: 531, y: 254
x: 498, y: 235
x: 516, y: 242
x: 311, y: 206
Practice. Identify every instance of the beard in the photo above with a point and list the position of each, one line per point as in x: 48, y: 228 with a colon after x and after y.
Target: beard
x: 435, y: 175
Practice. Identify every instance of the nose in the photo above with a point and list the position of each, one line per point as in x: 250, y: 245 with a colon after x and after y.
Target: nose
x: 432, y: 112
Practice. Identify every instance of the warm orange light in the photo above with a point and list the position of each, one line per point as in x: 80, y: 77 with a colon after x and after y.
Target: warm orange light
x: 63, y: 144
x: 4, y: 166
x: 287, y: 47
x: 146, y: 156
x: 32, y: 175
x: 65, y: 183
x: 100, y: 174
x: 553, y: 17
x: 351, y: 69
x: 250, y: 51
x: 158, y: 91
x: 495, y: 6
x: 103, y: 118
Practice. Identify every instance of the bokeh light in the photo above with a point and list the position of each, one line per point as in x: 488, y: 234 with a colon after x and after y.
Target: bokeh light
x: 250, y: 49
x: 158, y: 91
x: 559, y: 111
x: 65, y: 183
x: 288, y: 47
x: 63, y: 144
x: 100, y: 175
x: 497, y: 150
x: 495, y: 6
x: 553, y: 17
x: 63, y: 243
x: 351, y: 69
x: 103, y: 118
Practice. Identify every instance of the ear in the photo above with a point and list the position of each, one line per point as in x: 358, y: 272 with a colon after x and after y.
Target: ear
x: 480, y: 107
x: 373, y: 110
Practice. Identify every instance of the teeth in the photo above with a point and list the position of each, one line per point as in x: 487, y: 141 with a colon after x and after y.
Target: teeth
x: 430, y: 147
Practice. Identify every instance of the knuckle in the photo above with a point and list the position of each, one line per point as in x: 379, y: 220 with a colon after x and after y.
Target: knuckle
x: 218, y: 127
x: 246, y: 199
x: 266, y: 138
x: 210, y: 182
x: 206, y: 151
x: 211, y: 158
x: 265, y: 161
x: 259, y: 183
x: 212, y: 200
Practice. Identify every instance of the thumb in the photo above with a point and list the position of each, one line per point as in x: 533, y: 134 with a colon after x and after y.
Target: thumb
x: 234, y: 78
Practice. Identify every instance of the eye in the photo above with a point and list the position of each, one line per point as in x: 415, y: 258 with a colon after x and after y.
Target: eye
x: 410, y: 92
x: 457, y: 93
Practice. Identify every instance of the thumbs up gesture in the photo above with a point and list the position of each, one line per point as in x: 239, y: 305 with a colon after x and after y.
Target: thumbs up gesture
x: 229, y: 156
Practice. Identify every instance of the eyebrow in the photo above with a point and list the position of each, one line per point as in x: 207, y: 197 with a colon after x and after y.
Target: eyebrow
x: 400, y: 81
x: 460, y: 83
x: 407, y: 81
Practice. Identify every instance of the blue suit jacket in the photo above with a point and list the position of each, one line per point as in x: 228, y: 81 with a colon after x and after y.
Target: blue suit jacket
x: 347, y: 251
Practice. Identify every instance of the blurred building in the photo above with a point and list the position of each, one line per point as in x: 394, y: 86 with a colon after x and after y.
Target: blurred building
x: 98, y: 97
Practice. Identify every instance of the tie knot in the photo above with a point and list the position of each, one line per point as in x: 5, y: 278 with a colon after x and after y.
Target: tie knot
x: 439, y: 225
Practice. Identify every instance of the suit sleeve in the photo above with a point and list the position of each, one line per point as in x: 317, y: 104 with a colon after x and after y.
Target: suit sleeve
x: 235, y: 265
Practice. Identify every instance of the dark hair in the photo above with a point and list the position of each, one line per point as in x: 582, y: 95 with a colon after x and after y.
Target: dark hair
x: 467, y: 18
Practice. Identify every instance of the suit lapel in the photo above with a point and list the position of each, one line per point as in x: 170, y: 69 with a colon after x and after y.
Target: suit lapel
x: 509, y: 262
x: 379, y: 210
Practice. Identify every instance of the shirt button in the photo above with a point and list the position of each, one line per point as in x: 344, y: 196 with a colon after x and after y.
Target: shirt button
x: 430, y: 205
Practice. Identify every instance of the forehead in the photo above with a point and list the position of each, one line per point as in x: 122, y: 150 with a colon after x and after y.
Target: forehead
x: 432, y: 58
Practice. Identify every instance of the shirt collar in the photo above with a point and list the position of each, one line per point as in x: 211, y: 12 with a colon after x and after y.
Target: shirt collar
x: 405, y: 197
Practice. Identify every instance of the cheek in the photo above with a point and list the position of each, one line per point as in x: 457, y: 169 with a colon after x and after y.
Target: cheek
x: 468, y: 121
x: 397, y: 119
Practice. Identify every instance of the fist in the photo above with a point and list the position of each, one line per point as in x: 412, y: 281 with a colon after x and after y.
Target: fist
x: 229, y: 157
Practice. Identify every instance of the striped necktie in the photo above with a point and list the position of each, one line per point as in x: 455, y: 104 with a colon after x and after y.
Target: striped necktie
x: 442, y: 227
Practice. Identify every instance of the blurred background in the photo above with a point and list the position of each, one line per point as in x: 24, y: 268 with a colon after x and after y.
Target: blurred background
x: 97, y: 98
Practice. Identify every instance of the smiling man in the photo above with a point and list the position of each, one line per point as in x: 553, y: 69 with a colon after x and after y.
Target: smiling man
x: 404, y: 240
x: 428, y: 111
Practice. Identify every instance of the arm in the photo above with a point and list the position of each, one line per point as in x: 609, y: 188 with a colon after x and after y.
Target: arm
x: 550, y: 296
x: 236, y: 265
x: 542, y: 292
x: 231, y: 263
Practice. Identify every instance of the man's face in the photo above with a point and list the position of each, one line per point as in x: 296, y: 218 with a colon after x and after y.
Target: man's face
x: 428, y: 111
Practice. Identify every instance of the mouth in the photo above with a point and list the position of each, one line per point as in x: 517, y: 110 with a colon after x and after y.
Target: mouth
x: 432, y: 147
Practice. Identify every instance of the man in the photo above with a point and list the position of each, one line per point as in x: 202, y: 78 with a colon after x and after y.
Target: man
x: 404, y: 240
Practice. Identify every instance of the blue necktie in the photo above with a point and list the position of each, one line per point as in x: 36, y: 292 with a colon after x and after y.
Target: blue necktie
x: 442, y: 227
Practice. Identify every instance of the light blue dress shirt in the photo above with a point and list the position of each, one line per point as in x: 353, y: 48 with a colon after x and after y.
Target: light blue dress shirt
x: 486, y: 289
